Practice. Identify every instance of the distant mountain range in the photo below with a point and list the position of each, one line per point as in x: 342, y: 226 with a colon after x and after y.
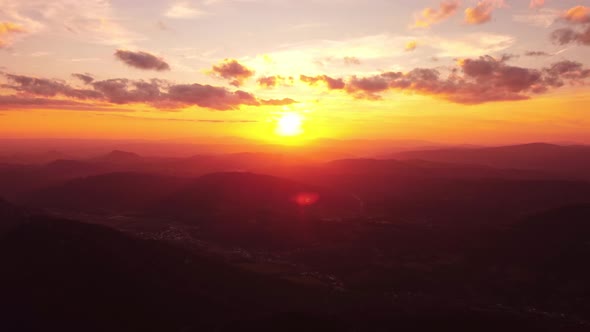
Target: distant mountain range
x: 572, y: 161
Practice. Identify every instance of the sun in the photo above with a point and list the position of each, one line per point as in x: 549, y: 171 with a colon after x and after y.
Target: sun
x: 289, y: 124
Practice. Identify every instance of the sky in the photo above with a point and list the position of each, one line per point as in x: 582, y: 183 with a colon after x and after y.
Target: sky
x: 466, y: 72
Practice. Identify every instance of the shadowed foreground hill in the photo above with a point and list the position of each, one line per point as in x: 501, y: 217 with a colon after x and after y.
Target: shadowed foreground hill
x: 70, y: 275
x: 66, y: 276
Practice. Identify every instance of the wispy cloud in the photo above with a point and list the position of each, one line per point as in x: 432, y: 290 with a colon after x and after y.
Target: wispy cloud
x: 183, y: 10
x: 537, y: 4
x: 544, y: 17
x: 8, y: 30
x: 91, y: 21
x: 411, y: 46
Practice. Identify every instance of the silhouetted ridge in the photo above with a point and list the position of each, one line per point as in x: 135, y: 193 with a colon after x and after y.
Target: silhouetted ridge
x: 248, y: 195
x: 118, y: 156
x: 571, y: 160
x: 113, y: 192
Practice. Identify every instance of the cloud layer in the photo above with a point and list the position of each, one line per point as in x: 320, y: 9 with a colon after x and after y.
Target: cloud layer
x: 472, y: 81
x: 32, y: 91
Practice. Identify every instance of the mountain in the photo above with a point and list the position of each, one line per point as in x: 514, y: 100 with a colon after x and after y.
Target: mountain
x: 107, y: 193
x: 248, y: 195
x: 10, y: 216
x: 440, y: 192
x: 19, y: 180
x: 118, y: 156
x: 541, y: 259
x: 572, y: 161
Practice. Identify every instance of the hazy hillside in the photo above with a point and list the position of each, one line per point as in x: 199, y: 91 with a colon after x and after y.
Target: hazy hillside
x: 573, y: 161
x: 107, y: 193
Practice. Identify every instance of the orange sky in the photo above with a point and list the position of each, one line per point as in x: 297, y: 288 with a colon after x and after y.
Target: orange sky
x: 486, y: 71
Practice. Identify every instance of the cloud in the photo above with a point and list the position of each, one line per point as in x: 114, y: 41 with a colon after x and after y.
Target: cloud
x: 472, y: 81
x: 482, y: 12
x: 125, y: 91
x: 430, y: 16
x: 120, y: 91
x: 7, y: 32
x: 13, y: 102
x: 183, y: 10
x: 273, y: 81
x: 331, y: 83
x: 566, y: 36
x: 351, y: 60
x: 537, y: 4
x: 578, y: 14
x: 88, y: 21
x: 469, y: 45
x: 46, y: 87
x: 542, y: 17
x: 536, y: 53
x: 209, y: 97
x: 232, y: 70
x: 86, y: 78
x: 178, y: 119
x: 142, y: 60
x: 411, y: 46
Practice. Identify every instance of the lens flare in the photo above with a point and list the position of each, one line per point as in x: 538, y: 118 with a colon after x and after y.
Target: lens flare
x: 306, y: 199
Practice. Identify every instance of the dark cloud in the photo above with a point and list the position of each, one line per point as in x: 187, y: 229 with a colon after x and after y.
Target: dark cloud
x: 15, y: 102
x: 209, y: 96
x: 46, y: 87
x: 233, y: 71
x: 142, y: 60
x: 332, y: 83
x: 579, y: 15
x: 157, y: 93
x: 566, y: 36
x: 86, y: 78
x: 536, y: 53
x: 125, y: 91
x: 472, y: 81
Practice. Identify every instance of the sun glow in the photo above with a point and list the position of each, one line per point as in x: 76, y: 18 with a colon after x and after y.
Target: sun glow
x: 289, y: 124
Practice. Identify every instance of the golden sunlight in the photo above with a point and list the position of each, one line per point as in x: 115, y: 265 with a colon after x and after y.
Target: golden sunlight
x: 289, y: 124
